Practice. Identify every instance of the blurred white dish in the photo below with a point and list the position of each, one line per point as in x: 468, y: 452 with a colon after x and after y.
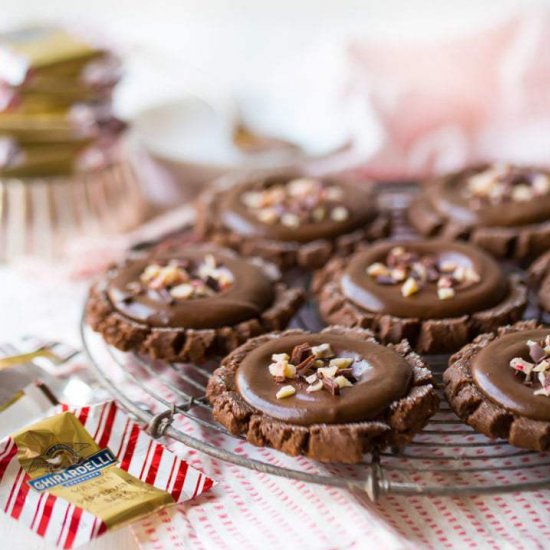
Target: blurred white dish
x: 193, y: 134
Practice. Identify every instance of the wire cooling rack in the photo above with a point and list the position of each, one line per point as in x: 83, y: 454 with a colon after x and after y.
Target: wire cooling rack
x: 446, y: 458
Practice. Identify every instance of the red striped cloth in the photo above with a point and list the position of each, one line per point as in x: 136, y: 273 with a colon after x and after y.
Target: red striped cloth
x: 66, y: 525
x: 248, y: 509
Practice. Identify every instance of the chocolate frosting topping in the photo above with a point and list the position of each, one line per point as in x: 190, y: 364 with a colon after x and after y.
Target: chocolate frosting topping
x: 357, y: 199
x: 366, y: 292
x: 383, y: 376
x: 250, y: 293
x: 448, y: 197
x: 492, y: 373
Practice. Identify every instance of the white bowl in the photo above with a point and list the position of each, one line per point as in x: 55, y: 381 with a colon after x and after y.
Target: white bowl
x: 193, y: 140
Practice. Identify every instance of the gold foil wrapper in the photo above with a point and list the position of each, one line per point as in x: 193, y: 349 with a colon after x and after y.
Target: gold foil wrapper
x: 76, y: 473
x: 61, y: 457
x: 43, y: 49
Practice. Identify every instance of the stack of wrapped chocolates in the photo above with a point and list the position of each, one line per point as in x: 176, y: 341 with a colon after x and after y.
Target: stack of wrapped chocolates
x: 58, y: 132
x: 55, y: 103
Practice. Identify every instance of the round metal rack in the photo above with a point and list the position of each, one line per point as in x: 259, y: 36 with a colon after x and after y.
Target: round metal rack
x: 446, y: 458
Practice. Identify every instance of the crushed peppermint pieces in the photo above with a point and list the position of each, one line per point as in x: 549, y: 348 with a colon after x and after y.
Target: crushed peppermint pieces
x: 286, y: 391
x: 297, y: 202
x: 318, y: 366
x: 502, y: 183
x: 538, y: 367
x: 412, y: 272
x: 178, y: 280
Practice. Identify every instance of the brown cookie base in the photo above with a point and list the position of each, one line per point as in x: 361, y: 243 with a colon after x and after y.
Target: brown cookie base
x: 425, y: 335
x: 475, y: 408
x: 285, y: 255
x: 516, y: 243
x: 540, y: 275
x: 324, y: 442
x: 179, y: 344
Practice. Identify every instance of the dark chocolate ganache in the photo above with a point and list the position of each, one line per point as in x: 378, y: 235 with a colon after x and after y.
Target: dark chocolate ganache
x: 297, y: 209
x: 197, y: 290
x: 493, y: 195
x: 493, y: 371
x: 380, y: 376
x: 437, y: 280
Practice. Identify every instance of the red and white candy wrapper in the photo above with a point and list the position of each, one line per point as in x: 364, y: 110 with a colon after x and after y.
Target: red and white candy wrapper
x: 67, y: 525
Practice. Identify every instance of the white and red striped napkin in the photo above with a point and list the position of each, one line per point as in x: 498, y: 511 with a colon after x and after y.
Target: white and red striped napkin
x: 66, y: 525
x: 247, y: 510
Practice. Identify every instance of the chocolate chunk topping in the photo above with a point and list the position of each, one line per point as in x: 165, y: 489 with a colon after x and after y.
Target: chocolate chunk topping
x: 178, y: 279
x: 539, y: 369
x: 468, y: 280
x: 296, y: 202
x: 230, y: 290
x: 413, y: 272
x: 299, y: 353
x: 330, y: 385
x: 348, y: 373
x: 504, y: 370
x: 164, y: 295
x: 304, y: 365
x: 325, y: 395
x: 501, y: 183
x: 537, y: 352
x: 449, y: 207
x: 321, y: 369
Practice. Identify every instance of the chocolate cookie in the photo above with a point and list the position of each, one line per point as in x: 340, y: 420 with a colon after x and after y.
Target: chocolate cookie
x: 289, y: 219
x: 501, y: 208
x: 436, y: 294
x: 331, y: 396
x: 540, y: 274
x: 198, y: 304
x: 500, y: 385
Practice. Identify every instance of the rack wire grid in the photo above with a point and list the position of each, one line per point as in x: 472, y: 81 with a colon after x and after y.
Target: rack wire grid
x: 446, y: 458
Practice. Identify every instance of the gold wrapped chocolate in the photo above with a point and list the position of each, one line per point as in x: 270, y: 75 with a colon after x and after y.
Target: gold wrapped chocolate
x: 47, y: 126
x: 45, y: 159
x: 61, y: 457
x: 65, y: 173
x: 83, y: 471
x: 43, y: 50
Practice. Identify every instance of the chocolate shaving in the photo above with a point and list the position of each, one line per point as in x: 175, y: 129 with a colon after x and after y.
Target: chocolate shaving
x: 305, y: 364
x: 536, y: 352
x: 330, y: 385
x: 540, y: 368
x: 347, y: 373
x: 385, y: 280
x: 212, y: 283
x: 299, y: 353
x: 165, y: 296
